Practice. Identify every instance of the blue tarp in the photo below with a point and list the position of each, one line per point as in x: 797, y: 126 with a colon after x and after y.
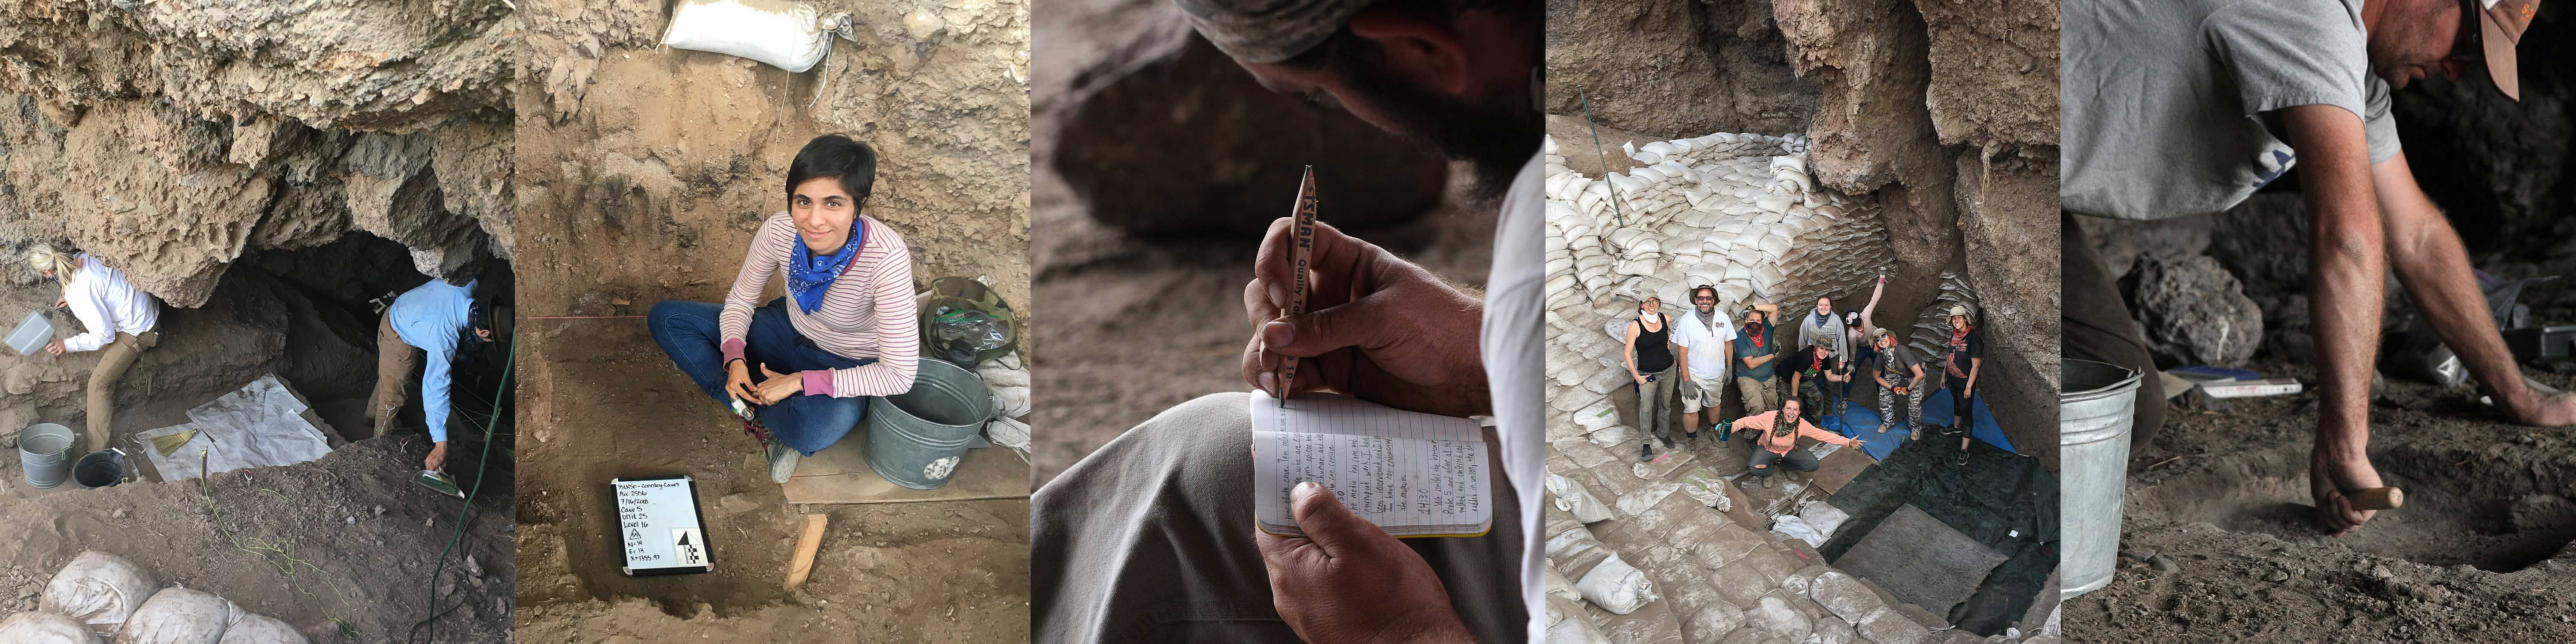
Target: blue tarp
x: 1862, y: 423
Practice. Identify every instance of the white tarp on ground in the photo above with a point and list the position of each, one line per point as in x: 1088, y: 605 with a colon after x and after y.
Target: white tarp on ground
x: 262, y: 424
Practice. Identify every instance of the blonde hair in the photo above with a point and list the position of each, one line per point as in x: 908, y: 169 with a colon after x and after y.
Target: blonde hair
x: 44, y: 258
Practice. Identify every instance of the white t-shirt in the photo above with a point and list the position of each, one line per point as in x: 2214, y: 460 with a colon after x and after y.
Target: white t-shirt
x: 1708, y: 354
x: 106, y: 305
x: 1515, y: 359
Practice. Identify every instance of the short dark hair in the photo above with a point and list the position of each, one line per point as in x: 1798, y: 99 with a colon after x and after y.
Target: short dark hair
x: 834, y: 156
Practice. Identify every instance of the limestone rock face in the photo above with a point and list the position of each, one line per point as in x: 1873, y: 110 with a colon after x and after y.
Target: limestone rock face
x: 170, y: 138
x: 2193, y: 311
x: 1674, y: 68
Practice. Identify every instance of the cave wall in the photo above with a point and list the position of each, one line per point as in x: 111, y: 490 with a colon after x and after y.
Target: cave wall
x: 171, y: 138
x: 647, y: 169
x: 1944, y: 113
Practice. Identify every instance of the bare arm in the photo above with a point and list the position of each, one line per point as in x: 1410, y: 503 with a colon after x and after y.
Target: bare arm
x: 2429, y: 260
x: 2347, y: 261
x: 1872, y: 307
x: 1630, y: 355
x: 1681, y: 355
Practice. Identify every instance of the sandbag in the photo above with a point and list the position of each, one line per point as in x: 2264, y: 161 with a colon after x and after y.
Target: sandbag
x: 1011, y: 402
x: 1790, y: 526
x: 1009, y: 433
x: 1616, y: 586
x: 1825, y: 518
x: 39, y: 627
x: 997, y: 376
x: 1572, y: 497
x: 179, y: 616
x: 98, y: 589
x: 785, y: 34
x: 261, y: 629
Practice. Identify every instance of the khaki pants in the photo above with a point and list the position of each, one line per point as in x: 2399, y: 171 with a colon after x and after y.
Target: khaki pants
x: 113, y: 360
x: 1150, y: 540
x: 394, y: 362
x: 1758, y: 396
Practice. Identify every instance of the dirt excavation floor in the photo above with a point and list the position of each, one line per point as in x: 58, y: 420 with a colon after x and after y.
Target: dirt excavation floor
x: 603, y: 403
x: 342, y: 548
x: 2220, y: 502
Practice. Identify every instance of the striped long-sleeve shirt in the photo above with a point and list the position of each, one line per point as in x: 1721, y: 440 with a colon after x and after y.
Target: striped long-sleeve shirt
x: 867, y: 312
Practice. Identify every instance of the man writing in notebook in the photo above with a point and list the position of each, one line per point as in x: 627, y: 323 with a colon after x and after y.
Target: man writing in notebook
x: 1151, y: 538
x: 1775, y: 442
x: 2185, y: 108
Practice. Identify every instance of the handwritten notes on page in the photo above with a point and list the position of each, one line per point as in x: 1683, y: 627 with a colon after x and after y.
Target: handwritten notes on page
x: 1412, y: 474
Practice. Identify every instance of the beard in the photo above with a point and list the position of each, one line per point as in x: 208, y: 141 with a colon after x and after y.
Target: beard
x: 1494, y: 139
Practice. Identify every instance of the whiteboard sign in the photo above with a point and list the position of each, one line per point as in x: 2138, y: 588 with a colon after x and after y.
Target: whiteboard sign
x: 658, y: 523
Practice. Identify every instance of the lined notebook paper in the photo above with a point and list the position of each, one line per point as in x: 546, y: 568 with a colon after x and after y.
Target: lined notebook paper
x: 1413, y: 474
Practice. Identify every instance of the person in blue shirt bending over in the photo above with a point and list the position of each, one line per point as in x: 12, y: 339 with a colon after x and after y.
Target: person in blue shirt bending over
x: 442, y: 321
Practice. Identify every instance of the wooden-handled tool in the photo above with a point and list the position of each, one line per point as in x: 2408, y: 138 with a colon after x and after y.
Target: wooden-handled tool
x: 2378, y: 498
x: 807, y: 544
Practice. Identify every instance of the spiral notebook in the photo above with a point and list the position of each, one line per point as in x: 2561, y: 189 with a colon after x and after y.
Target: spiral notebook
x: 1412, y: 474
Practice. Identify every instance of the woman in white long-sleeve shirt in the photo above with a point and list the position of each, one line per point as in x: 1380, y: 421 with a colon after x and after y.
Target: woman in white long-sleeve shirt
x: 119, y: 321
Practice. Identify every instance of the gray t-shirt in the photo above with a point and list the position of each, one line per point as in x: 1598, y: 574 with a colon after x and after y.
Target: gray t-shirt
x: 2167, y: 103
x: 1827, y: 332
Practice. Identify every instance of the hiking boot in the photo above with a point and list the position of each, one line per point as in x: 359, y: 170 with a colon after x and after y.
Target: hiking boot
x: 1963, y: 457
x: 1882, y: 428
x: 1645, y: 450
x: 1667, y: 439
x: 1766, y: 482
x: 782, y: 462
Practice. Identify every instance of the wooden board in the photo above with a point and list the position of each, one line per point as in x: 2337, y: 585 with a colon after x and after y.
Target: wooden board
x: 841, y: 475
x: 1839, y: 468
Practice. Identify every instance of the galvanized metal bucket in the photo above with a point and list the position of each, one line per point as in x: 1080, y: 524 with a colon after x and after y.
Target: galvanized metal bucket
x: 2096, y: 409
x: 44, y: 451
x: 917, y: 438
x: 100, y: 469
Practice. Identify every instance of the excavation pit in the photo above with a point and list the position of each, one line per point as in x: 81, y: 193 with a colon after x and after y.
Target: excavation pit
x: 2462, y: 508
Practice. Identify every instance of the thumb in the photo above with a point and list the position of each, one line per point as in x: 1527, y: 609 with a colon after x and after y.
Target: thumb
x: 1332, y: 526
x: 1359, y: 323
x: 771, y: 372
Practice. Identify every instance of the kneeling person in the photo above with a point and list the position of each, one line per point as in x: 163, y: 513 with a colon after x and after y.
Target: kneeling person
x: 1775, y: 440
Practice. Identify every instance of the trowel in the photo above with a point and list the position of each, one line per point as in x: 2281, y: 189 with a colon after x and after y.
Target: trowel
x: 438, y: 482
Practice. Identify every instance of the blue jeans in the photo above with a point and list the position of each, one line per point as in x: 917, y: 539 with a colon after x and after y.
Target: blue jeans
x: 688, y: 332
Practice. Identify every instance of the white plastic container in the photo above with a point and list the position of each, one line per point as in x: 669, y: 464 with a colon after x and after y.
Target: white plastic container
x: 32, y: 335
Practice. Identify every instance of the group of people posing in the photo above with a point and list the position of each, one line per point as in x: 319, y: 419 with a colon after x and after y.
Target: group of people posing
x: 1784, y: 390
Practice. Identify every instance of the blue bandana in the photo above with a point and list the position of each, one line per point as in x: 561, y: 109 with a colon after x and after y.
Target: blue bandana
x: 809, y: 276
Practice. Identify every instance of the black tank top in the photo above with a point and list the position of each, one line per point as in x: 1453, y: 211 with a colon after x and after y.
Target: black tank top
x: 1652, y: 355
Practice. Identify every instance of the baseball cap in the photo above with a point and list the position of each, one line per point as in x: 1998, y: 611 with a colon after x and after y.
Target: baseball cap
x: 2501, y: 24
x: 1880, y: 332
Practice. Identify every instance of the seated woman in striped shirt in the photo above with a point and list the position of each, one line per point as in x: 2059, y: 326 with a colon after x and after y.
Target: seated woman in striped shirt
x: 121, y: 321
x: 845, y: 330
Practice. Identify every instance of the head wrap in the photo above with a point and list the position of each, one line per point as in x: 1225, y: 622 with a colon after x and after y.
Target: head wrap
x: 1268, y: 31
